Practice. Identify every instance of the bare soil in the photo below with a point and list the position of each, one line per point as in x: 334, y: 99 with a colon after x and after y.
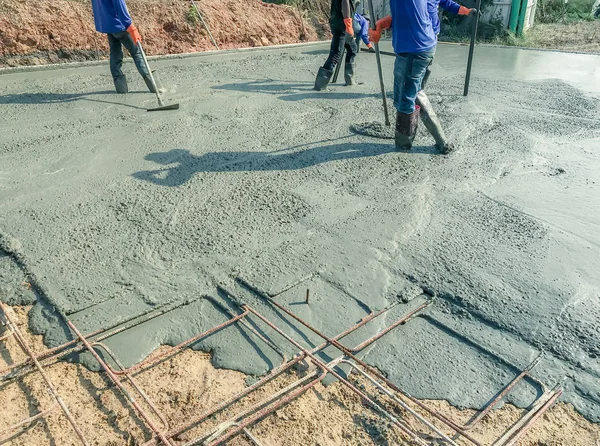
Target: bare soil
x: 53, y: 31
x: 186, y: 384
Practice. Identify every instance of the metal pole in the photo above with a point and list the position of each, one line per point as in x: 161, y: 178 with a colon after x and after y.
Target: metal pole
x: 206, y: 26
x: 160, y: 102
x: 471, y: 50
x: 377, y: 56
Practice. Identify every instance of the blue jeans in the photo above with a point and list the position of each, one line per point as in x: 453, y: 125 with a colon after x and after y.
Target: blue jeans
x: 116, y: 42
x: 409, y: 70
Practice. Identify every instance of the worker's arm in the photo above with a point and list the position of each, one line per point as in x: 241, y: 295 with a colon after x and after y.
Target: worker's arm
x: 384, y: 23
x: 122, y: 12
x: 454, y: 8
x: 347, y: 15
x: 125, y: 19
x: 364, y: 32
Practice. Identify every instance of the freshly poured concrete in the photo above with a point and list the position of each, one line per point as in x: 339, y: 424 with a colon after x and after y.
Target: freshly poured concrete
x: 113, y: 211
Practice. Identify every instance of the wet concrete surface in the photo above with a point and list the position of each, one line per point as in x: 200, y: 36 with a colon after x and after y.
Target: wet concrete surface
x: 109, y: 211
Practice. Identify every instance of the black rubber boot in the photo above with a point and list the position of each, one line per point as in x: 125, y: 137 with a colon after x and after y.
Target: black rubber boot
x: 349, y: 74
x: 323, y: 78
x: 406, y: 129
x: 149, y: 84
x: 433, y: 124
x: 121, y: 84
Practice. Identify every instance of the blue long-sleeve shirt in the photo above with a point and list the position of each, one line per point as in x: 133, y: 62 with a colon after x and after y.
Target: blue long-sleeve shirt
x: 412, y: 31
x: 447, y: 5
x: 111, y: 16
x: 364, y: 27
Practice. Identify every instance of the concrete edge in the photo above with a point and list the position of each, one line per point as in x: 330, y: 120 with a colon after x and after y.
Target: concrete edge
x: 199, y: 54
x: 527, y: 48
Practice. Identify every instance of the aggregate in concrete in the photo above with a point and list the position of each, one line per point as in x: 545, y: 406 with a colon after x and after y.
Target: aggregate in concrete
x: 109, y: 211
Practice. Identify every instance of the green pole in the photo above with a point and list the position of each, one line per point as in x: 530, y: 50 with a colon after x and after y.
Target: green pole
x: 522, y: 15
x: 514, y: 15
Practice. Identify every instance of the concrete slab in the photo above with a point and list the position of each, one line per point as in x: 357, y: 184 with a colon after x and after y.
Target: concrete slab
x: 112, y: 211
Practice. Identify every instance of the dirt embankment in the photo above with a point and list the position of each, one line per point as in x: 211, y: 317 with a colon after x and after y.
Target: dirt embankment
x: 53, y: 31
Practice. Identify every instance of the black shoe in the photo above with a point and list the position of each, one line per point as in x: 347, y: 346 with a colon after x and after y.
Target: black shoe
x: 323, y: 78
x: 121, y: 84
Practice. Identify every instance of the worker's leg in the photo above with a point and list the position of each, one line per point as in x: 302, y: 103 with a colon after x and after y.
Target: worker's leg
x: 326, y: 71
x: 116, y: 64
x: 351, y: 52
x: 409, y: 70
x: 335, y: 50
x: 135, y: 52
x: 137, y: 57
x: 427, y: 74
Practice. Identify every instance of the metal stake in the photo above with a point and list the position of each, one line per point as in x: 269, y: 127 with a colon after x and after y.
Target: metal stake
x: 472, y: 50
x: 377, y: 56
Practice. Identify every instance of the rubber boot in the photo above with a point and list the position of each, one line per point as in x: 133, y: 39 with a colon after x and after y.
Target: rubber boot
x: 323, y: 78
x: 349, y: 74
x: 149, y: 84
x: 406, y: 129
x: 433, y: 124
x: 121, y: 84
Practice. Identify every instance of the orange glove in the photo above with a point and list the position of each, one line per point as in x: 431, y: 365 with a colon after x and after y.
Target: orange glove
x: 463, y: 10
x: 384, y: 23
x: 134, y: 33
x: 349, y: 27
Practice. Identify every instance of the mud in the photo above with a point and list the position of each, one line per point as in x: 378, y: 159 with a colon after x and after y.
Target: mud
x: 114, y: 211
x: 375, y: 129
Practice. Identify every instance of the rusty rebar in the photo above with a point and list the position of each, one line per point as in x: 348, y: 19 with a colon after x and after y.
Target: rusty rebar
x: 400, y: 402
x: 372, y: 370
x: 502, y: 394
x: 272, y: 403
x: 61, y: 351
x: 521, y: 432
x: 179, y: 346
x: 114, y: 378
x: 264, y: 412
x: 26, y: 422
x: 23, y: 344
x: 137, y: 388
x: 270, y: 376
x: 519, y: 428
x: 403, y: 427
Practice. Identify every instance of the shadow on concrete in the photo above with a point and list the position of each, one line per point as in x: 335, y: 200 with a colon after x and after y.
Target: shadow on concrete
x: 183, y: 165
x: 293, y: 91
x: 56, y: 98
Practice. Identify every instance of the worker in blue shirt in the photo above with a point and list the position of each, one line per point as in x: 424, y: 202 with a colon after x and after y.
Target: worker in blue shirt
x: 112, y: 18
x: 447, y: 5
x: 414, y: 43
x: 362, y: 31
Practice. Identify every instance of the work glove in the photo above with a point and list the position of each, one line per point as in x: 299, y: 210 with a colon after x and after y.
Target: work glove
x: 380, y: 25
x: 349, y: 27
x: 134, y: 33
x: 463, y: 10
x: 370, y: 48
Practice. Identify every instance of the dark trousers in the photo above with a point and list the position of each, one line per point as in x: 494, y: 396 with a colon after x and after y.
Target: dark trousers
x: 338, y: 42
x: 116, y: 42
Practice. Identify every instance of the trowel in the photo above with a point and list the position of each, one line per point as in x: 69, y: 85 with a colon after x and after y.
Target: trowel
x: 161, y: 105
